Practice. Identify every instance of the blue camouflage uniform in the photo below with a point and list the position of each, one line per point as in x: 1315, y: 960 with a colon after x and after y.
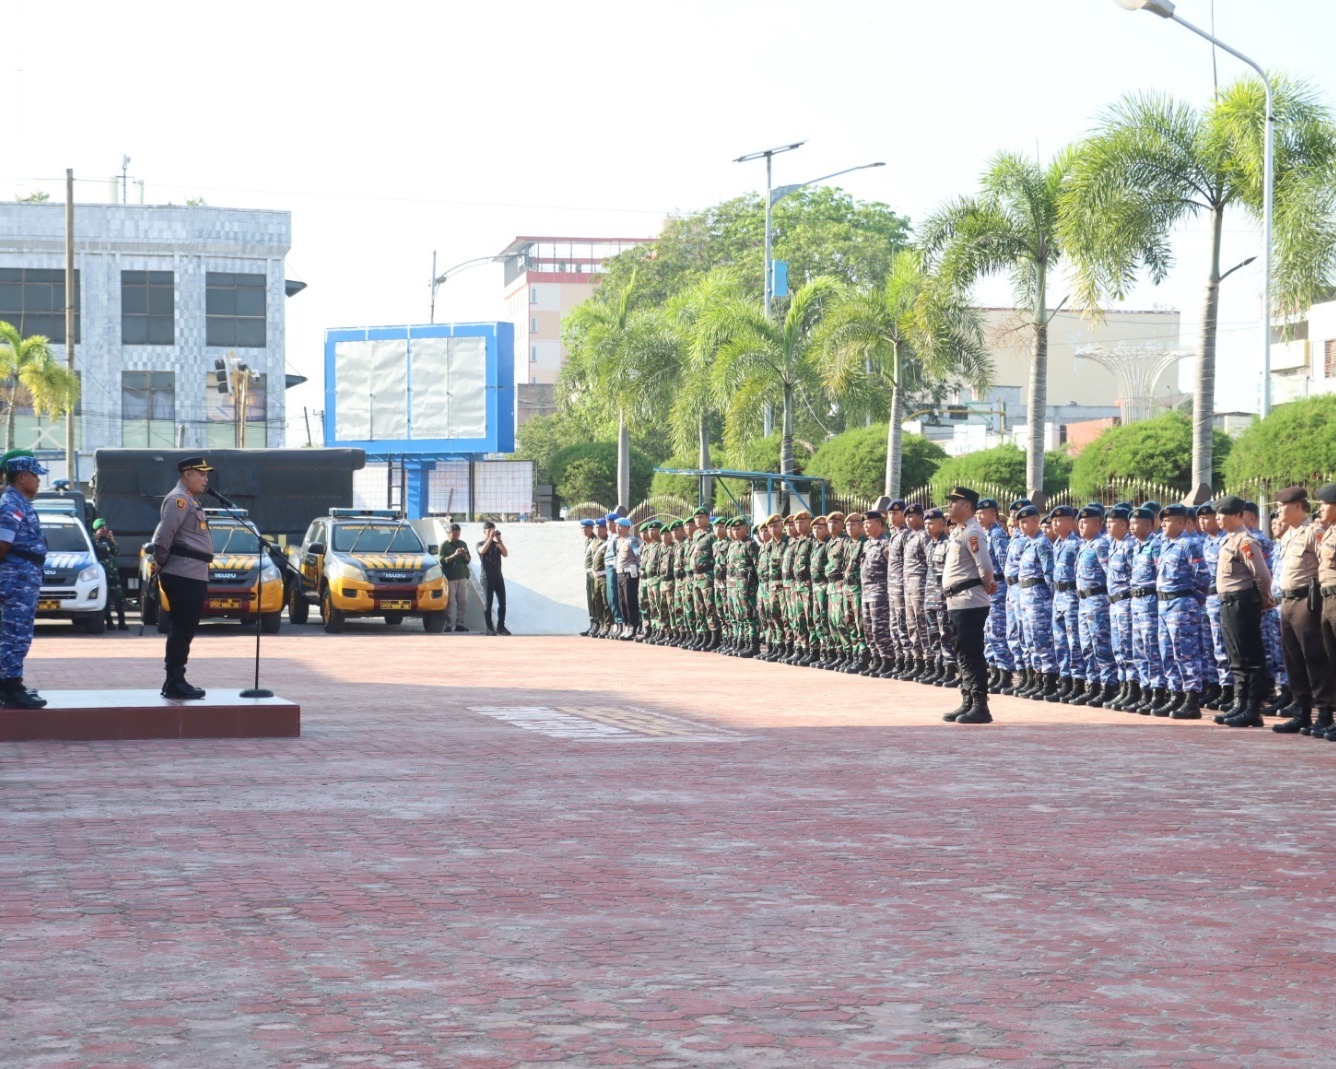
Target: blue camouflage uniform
x: 995, y: 649
x: 1011, y: 574
x: 20, y: 577
x: 1181, y: 585
x: 1217, y: 667
x: 1146, y: 613
x: 1035, y: 571
x: 1093, y: 621
x: 1066, y: 630
x: 1119, y: 578
x: 1275, y: 653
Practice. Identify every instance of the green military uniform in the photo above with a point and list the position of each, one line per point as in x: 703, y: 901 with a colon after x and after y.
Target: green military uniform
x: 107, y: 551
x: 701, y: 557
x: 853, y: 585
x: 598, y: 580
x: 820, y: 605
x: 837, y: 596
x: 743, y: 571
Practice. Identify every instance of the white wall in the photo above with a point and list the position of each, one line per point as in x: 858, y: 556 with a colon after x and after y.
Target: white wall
x: 545, y: 591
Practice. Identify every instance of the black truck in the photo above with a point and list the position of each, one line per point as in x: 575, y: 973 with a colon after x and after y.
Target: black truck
x: 281, y: 489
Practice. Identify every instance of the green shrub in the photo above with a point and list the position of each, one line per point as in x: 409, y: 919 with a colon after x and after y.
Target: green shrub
x: 588, y: 472
x: 1001, y: 469
x: 1296, y: 443
x: 1155, y: 450
x: 854, y: 463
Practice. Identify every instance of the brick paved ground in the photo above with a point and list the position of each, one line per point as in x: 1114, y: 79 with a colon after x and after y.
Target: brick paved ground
x: 800, y: 869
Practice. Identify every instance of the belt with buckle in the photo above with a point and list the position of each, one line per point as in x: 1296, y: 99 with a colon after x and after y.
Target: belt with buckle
x: 1294, y: 593
x: 1142, y: 591
x: 1173, y: 595
x: 1026, y: 584
x: 960, y: 588
x: 1242, y: 595
x: 1123, y: 596
x: 1092, y: 592
x: 1063, y: 588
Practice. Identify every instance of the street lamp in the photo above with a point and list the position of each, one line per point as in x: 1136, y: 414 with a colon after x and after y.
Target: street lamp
x: 768, y: 154
x: 438, y: 280
x: 1165, y: 9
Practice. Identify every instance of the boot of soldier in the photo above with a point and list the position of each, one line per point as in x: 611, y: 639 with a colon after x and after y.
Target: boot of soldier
x: 1061, y: 692
x: 1120, y: 699
x: 177, y: 687
x: 1280, y: 701
x: 1173, y: 699
x: 1030, y: 682
x: 1210, y: 698
x: 1046, y: 687
x: 1319, y: 728
x: 1133, y: 699
x: 966, y: 704
x: 1300, y: 724
x: 938, y: 673
x: 1222, y: 700
x: 1007, y: 684
x: 951, y: 677
x: 1103, y: 694
x: 1189, y: 708
x: 918, y: 671
x: 752, y: 650
x: 1251, y: 716
x: 1083, y: 693
x: 716, y: 639
x: 979, y: 713
x: 13, y: 695
x: 1289, y: 708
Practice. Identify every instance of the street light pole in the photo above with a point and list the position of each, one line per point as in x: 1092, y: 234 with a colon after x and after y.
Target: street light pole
x: 1165, y: 9
x: 438, y: 280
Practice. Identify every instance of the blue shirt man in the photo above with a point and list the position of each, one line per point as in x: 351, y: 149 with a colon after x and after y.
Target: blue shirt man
x: 22, y: 553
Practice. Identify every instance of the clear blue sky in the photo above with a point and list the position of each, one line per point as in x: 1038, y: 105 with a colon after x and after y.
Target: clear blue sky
x: 391, y: 130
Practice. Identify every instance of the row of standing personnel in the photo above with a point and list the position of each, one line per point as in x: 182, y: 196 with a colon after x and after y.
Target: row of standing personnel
x: 1141, y: 609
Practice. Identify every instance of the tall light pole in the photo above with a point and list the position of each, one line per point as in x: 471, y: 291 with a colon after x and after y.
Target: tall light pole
x: 1165, y: 9
x: 438, y: 280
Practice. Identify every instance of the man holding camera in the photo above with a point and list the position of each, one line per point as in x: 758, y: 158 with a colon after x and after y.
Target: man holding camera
x: 490, y: 551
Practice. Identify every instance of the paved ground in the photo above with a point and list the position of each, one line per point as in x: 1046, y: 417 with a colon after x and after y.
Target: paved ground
x: 723, y: 864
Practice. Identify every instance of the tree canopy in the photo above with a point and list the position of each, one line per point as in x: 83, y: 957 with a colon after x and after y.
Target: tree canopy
x: 854, y: 463
x: 1155, y: 450
x: 1003, y: 467
x: 588, y: 472
x: 1296, y: 443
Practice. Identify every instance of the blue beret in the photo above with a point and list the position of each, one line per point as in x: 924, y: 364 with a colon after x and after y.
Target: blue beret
x: 897, y: 505
x: 914, y: 508
x: 1019, y: 503
x: 1063, y: 512
x: 1119, y: 512
x: 933, y: 514
x: 623, y: 521
x: 1154, y: 506
x: 1092, y: 512
x: 1026, y: 511
x: 602, y: 521
x: 1206, y: 509
x: 586, y: 523
x: 986, y: 503
x: 1124, y: 505
x: 1174, y: 512
x: 1143, y: 513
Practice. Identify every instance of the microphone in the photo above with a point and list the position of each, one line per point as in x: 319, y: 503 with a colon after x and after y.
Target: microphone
x: 219, y: 497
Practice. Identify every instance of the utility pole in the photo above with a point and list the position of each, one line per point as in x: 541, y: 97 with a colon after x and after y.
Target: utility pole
x: 71, y: 458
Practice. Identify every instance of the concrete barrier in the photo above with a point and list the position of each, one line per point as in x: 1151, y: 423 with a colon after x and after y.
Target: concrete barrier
x: 545, y: 589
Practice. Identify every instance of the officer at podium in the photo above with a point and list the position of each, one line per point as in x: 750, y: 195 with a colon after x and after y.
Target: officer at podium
x: 22, y: 554
x: 182, y: 550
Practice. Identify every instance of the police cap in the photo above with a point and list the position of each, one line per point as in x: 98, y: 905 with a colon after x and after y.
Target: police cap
x: 586, y: 523
x: 1091, y: 512
x: 1061, y: 512
x: 897, y: 505
x: 1233, y: 505
x: 17, y: 460
x: 1018, y: 504
x: 1292, y: 495
x: 1154, y: 506
x: 1327, y: 494
x: 1119, y: 512
x: 964, y: 493
x: 194, y: 464
x: 873, y: 514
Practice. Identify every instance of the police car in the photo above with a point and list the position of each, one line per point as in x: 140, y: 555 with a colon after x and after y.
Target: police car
x: 235, y: 573
x: 73, y: 584
x: 366, y: 562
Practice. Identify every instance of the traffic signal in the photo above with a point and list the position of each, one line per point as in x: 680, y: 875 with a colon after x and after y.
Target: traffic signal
x: 221, y: 379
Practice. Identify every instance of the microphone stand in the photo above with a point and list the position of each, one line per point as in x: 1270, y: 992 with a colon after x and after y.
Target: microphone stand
x: 264, y: 548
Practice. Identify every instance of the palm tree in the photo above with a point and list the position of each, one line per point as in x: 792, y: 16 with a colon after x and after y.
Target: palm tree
x: 1155, y: 163
x: 27, y: 364
x: 1010, y: 227
x: 909, y: 333
x: 761, y: 362
x: 624, y: 362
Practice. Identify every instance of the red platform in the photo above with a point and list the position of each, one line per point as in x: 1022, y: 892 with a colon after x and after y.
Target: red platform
x: 78, y: 715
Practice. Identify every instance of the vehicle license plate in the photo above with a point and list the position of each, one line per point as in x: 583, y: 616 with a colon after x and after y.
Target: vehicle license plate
x: 396, y: 606
x: 50, y: 605
x: 224, y: 603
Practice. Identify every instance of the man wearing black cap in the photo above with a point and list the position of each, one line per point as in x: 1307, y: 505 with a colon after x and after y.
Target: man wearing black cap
x: 876, y: 613
x: 1034, y: 573
x: 914, y: 555
x: 1180, y: 586
x: 1215, y: 656
x: 968, y: 585
x: 1306, y: 663
x: 900, y: 664
x: 182, y: 550
x: 995, y: 649
x: 1243, y: 586
x: 1093, y: 619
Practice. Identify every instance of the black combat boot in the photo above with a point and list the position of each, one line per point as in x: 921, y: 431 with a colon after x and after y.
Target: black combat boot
x: 1030, y: 682
x: 1223, y: 700
x: 1319, y: 728
x: 966, y: 704
x: 1211, y: 695
x: 1175, y: 699
x: 1103, y: 696
x: 1189, y: 708
x: 979, y: 712
x: 1133, y: 699
x: 1330, y: 733
x: 1300, y: 724
x: 1283, y: 700
x: 951, y: 675
x: 1008, y: 684
x: 1150, y: 699
x: 1251, y: 716
x: 14, y: 695
x: 1061, y: 691
x: 1083, y: 693
x: 177, y: 687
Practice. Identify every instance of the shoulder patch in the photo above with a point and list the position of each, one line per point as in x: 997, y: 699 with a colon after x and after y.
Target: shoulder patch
x: 180, y: 502
x: 1247, y: 550
x: 974, y: 543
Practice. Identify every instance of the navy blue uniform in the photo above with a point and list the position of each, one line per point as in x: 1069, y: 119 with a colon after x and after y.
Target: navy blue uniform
x: 20, y: 579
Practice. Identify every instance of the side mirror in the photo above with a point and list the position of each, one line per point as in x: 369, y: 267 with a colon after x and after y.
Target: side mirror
x: 316, y: 549
x: 433, y: 549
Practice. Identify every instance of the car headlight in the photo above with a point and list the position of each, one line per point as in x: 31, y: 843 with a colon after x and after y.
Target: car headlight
x: 269, y: 572
x: 93, y: 571
x: 432, y: 574
x: 346, y: 569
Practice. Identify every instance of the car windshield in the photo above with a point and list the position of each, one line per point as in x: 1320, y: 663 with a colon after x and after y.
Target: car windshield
x: 233, y: 540
x: 64, y: 538
x: 376, y: 538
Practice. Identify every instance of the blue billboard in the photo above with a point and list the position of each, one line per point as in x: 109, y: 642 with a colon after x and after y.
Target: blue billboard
x: 436, y: 390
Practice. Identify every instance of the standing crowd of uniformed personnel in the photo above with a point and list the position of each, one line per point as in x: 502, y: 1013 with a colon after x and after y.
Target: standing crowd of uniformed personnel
x: 1157, y: 611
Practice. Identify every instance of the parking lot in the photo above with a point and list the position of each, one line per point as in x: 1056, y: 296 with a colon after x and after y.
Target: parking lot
x: 494, y: 852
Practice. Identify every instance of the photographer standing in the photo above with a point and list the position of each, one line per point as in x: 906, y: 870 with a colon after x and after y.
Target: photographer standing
x: 104, y: 543
x: 490, y: 551
x: 455, y: 565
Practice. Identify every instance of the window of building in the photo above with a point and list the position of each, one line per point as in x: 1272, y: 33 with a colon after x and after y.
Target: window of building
x: 148, y: 308
x: 33, y: 300
x: 148, y: 408
x: 533, y: 354
x: 1329, y: 351
x: 533, y: 294
x: 533, y: 325
x: 234, y: 309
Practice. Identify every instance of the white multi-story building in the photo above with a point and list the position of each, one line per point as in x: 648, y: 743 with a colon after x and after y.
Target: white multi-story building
x: 162, y: 294
x: 1303, y: 355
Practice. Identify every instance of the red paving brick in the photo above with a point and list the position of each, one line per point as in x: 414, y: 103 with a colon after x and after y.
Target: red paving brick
x: 802, y: 869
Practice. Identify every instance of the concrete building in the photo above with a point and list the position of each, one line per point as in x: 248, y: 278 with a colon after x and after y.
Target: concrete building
x: 1123, y: 367
x: 1303, y: 358
x: 163, y: 293
x: 544, y: 278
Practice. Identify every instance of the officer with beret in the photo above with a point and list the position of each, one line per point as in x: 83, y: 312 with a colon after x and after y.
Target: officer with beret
x: 587, y: 533
x: 1034, y: 573
x: 1119, y: 578
x: 1309, y: 670
x: 941, y: 632
x: 104, y: 545
x: 1243, y: 589
x: 22, y: 554
x: 1181, y: 584
x: 876, y: 610
x: 853, y: 585
x: 1145, y: 611
x: 968, y: 585
x: 1066, y: 603
x: 1012, y: 605
x: 1093, y: 618
x: 1326, y: 577
x: 182, y: 550
x: 597, y: 580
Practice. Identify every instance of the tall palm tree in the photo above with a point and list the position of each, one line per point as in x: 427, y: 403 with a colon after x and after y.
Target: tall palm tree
x: 27, y: 364
x: 1010, y: 227
x: 1155, y: 163
x: 624, y: 363
x: 913, y: 331
x: 763, y: 362
x: 694, y: 403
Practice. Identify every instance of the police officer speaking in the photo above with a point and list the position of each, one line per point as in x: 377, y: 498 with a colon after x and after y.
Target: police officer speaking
x: 182, y: 550
x: 22, y: 554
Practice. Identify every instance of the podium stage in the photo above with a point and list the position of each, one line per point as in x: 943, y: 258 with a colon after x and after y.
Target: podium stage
x: 86, y: 715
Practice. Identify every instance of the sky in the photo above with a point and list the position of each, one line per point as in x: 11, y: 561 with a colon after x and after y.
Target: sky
x: 394, y: 130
